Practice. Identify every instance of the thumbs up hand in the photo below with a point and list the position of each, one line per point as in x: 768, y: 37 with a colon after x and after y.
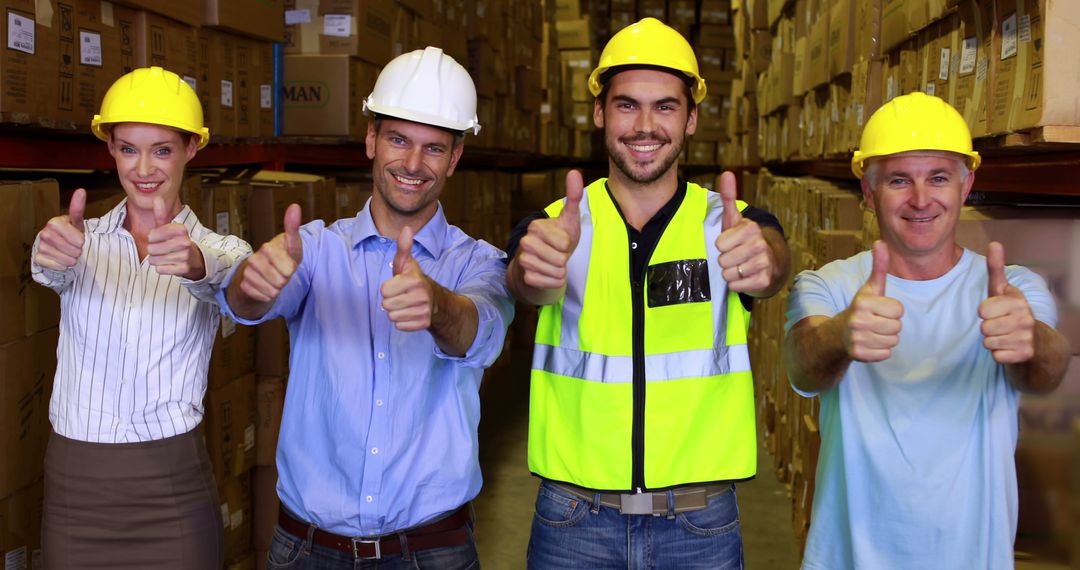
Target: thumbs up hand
x: 169, y: 248
x: 408, y: 296
x: 61, y: 240
x: 746, y: 261
x: 872, y: 321
x: 266, y: 272
x: 1008, y: 325
x: 546, y: 249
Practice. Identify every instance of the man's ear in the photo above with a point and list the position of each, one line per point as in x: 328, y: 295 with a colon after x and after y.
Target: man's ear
x: 867, y: 193
x: 369, y: 140
x: 598, y: 113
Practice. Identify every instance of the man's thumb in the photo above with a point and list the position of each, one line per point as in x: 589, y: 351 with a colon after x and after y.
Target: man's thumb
x: 995, y: 269
x: 292, y: 231
x: 404, y: 250
x: 728, y: 193
x: 880, y: 268
x: 571, y: 212
x: 161, y: 213
x: 77, y: 209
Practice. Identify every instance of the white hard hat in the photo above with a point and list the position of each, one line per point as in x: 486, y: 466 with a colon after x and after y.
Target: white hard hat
x: 426, y: 86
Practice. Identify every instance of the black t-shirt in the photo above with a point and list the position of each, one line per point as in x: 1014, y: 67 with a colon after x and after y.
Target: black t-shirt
x: 644, y: 241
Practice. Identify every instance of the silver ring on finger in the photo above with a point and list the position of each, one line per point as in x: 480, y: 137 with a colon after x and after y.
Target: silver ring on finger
x: 738, y: 269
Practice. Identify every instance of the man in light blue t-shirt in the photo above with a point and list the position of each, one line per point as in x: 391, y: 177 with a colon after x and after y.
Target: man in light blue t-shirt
x: 918, y: 349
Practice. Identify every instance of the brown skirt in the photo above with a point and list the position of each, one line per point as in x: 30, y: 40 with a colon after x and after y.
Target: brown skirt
x: 131, y: 505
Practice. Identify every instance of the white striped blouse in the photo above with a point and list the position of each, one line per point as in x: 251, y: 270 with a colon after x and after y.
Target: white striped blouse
x: 134, y: 345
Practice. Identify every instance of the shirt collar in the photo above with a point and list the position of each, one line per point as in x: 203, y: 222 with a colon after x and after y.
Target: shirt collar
x: 666, y: 212
x: 430, y: 237
x: 112, y: 221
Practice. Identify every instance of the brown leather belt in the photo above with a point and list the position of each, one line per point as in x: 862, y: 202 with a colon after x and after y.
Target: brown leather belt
x: 686, y: 499
x: 447, y: 531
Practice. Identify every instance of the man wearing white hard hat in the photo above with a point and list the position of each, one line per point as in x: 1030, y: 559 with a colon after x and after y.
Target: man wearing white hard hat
x: 393, y: 316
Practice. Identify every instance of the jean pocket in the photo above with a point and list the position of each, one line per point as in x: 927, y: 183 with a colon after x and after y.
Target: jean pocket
x: 720, y: 516
x: 556, y: 508
x: 284, y: 549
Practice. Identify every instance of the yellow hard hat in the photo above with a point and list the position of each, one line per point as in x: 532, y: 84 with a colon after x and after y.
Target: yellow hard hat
x: 915, y: 121
x: 649, y: 42
x: 151, y: 95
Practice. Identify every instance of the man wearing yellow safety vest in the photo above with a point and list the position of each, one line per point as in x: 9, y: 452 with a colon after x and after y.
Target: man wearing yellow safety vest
x: 641, y: 410
x: 918, y: 349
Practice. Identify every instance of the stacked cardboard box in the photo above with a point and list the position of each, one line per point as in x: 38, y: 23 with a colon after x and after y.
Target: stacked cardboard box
x: 28, y: 336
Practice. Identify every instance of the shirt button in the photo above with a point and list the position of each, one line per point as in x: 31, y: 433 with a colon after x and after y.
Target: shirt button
x: 374, y: 450
x: 391, y: 264
x: 378, y: 402
x: 382, y: 355
x: 633, y: 245
x: 369, y: 498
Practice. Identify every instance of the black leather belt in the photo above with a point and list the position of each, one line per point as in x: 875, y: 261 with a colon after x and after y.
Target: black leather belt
x: 447, y: 531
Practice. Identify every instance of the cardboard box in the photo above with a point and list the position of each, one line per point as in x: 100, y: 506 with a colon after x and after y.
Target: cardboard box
x: 353, y: 196
x: 303, y: 26
x: 20, y: 527
x: 189, y: 13
x: 360, y: 28
x: 28, y: 78
x: 574, y: 34
x: 269, y: 403
x: 167, y: 43
x: 265, y: 93
x: 323, y: 95
x: 263, y: 19
x: 272, y: 348
x: 835, y: 244
x: 218, y: 86
x: 246, y: 111
x: 867, y: 27
x: 841, y: 37
x: 567, y: 9
x: 28, y: 307
x: 236, y: 515
x: 319, y: 197
x: 27, y: 368
x: 266, y: 505
x: 970, y: 85
x: 817, y: 55
x: 1034, y: 80
x: 89, y: 37
x: 230, y: 427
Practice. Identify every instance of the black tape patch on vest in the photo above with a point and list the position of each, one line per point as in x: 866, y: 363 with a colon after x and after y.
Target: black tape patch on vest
x: 678, y: 282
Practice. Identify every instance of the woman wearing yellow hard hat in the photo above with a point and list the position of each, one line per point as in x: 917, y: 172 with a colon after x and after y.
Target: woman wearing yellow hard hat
x: 128, y: 481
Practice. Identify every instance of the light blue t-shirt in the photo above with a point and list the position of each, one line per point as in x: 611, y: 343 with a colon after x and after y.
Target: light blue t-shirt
x: 916, y: 468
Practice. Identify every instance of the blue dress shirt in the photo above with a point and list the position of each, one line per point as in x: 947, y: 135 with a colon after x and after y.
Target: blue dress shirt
x: 379, y: 431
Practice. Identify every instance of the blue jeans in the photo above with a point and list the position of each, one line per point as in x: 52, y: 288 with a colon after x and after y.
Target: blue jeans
x: 297, y: 553
x: 569, y: 532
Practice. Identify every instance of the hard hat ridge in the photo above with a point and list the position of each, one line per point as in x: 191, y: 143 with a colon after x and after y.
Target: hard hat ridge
x: 426, y: 86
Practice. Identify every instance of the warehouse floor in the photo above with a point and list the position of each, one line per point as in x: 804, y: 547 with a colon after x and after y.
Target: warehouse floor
x: 505, y: 506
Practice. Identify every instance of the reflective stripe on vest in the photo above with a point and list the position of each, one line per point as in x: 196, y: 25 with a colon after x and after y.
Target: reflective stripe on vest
x: 698, y: 406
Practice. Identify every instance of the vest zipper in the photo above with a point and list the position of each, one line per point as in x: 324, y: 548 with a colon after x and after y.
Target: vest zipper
x: 638, y: 431
x: 637, y: 300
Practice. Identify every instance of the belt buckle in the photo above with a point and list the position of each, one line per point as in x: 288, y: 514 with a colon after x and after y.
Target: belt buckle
x: 375, y: 542
x: 636, y: 503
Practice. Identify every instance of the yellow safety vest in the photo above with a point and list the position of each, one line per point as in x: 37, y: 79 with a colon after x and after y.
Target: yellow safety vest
x: 643, y: 386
